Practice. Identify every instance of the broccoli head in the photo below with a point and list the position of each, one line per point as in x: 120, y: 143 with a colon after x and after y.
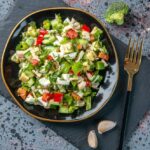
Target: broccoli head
x: 115, y: 12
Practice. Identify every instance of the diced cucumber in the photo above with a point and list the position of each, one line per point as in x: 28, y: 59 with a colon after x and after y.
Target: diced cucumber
x: 96, y: 45
x: 48, y: 41
x: 65, y: 67
x: 83, y: 42
x: 31, y: 82
x: 63, y: 109
x: 97, y: 32
x: 96, y: 78
x: 46, y: 36
x: 72, y: 109
x: 30, y: 41
x: 15, y: 58
x: 88, y: 102
x: 74, y: 83
x: 77, y: 67
x: 100, y: 65
x: 68, y: 99
x: 87, y: 91
x: 28, y: 55
x: 80, y: 55
x: 29, y: 73
x: 64, y: 41
x: 37, y: 94
x: 53, y: 105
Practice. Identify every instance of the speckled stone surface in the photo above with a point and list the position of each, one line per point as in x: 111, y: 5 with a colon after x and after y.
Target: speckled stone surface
x: 6, y: 7
x: 137, y: 23
x: 19, y: 131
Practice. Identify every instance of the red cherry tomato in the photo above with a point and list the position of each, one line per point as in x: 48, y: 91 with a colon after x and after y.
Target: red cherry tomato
x: 79, y: 74
x: 49, y: 57
x: 47, y: 96
x: 34, y: 62
x: 58, y: 97
x: 39, y: 40
x: 71, y: 71
x: 88, y: 83
x: 86, y: 28
x: 71, y: 34
x: 43, y: 32
x: 90, y: 72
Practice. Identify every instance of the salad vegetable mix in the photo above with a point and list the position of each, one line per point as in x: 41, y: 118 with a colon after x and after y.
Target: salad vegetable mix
x: 60, y: 64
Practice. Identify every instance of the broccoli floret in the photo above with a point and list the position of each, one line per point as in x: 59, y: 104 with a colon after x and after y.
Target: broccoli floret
x: 115, y: 12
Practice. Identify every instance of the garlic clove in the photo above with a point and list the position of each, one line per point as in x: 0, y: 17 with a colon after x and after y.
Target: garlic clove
x: 105, y: 126
x: 92, y: 139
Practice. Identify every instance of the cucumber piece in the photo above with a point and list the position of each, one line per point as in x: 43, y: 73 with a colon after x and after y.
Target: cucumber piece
x: 29, y: 73
x: 30, y: 41
x: 72, y: 109
x: 48, y: 41
x: 100, y: 65
x: 96, y: 78
x: 97, y: 32
x: 82, y: 42
x: 28, y: 55
x: 74, y: 83
x: 87, y: 91
x: 64, y: 110
x: 15, y: 58
x: 53, y: 105
x: 68, y: 99
x: 65, y: 67
x: 31, y: 82
x: 88, y: 102
x: 77, y: 67
x: 37, y: 94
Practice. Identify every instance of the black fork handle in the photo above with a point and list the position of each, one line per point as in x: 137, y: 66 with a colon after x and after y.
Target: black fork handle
x: 124, y: 121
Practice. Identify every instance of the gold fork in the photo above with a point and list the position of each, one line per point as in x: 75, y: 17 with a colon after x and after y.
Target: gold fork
x: 132, y: 63
x: 133, y: 60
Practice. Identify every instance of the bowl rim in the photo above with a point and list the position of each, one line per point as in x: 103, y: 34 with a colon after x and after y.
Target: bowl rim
x: 15, y: 99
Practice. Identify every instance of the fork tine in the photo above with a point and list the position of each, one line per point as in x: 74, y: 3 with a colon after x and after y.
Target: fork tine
x: 132, y: 51
x: 136, y: 52
x: 140, y: 53
x: 128, y: 50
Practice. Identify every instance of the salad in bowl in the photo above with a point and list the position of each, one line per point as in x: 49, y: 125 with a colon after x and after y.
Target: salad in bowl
x: 61, y: 64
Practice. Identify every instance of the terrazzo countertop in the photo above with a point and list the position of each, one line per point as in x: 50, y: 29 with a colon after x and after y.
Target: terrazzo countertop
x: 136, y: 24
x: 15, y: 125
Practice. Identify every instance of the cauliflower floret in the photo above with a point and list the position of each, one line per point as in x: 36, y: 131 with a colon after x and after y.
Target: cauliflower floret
x: 82, y: 85
x: 44, y: 82
x: 91, y: 55
x: 86, y: 66
x: 86, y: 35
x: 66, y: 48
x: 42, y: 103
x: 30, y: 99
